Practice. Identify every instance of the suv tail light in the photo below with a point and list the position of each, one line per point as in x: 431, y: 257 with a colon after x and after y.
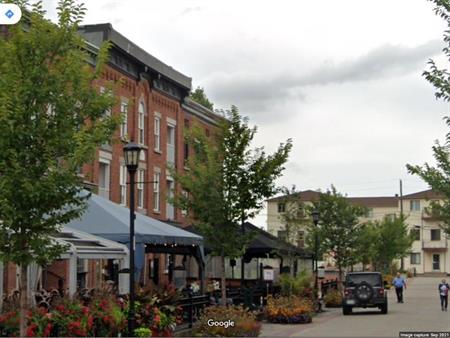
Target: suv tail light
x: 347, y: 292
x: 381, y: 291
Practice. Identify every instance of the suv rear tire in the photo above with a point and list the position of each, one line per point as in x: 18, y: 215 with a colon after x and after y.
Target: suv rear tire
x: 346, y: 310
x: 384, y: 308
x: 364, y: 291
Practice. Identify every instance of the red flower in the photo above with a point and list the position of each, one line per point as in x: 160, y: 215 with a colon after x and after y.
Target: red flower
x: 157, y: 319
x: 60, y: 308
x: 90, y: 322
x: 48, y: 330
x: 105, y: 319
x: 30, y: 330
x: 85, y: 310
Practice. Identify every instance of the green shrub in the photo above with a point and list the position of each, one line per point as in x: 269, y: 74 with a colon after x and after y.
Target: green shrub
x: 244, y: 322
x: 298, y: 286
x: 143, y: 332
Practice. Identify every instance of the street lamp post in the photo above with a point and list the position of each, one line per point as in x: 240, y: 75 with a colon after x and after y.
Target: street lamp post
x: 131, y: 153
x: 315, y: 216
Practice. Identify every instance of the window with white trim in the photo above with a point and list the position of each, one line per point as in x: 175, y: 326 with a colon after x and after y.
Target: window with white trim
x: 123, y: 185
x: 157, y: 133
x: 103, y: 179
x: 140, y: 188
x: 414, y: 205
x: 124, y: 124
x: 415, y: 258
x: 141, y: 123
x: 156, y: 193
x: 171, y: 145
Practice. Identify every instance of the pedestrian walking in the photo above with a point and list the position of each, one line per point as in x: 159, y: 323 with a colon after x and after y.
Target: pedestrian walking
x: 443, y: 293
x: 399, y: 283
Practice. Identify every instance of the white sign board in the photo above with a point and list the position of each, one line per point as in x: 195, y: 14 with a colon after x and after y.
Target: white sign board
x: 268, y: 274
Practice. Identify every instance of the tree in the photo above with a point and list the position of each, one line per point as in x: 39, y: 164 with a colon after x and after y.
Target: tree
x: 364, y: 249
x: 438, y: 177
x: 227, y: 183
x: 390, y: 240
x: 338, y: 227
x: 293, y: 220
x: 199, y: 96
x: 51, y: 121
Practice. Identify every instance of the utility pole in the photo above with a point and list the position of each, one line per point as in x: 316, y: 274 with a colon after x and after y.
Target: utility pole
x: 402, y: 262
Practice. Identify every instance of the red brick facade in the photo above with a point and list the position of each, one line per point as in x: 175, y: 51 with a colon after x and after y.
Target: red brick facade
x: 170, y: 104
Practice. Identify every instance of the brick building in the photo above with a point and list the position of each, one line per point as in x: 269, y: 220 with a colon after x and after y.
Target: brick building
x: 153, y: 99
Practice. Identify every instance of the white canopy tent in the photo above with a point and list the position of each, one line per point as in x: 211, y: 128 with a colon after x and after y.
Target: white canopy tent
x: 81, y: 245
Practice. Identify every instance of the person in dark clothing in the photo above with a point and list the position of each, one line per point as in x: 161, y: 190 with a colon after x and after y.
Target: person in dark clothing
x: 399, y: 283
x: 443, y: 293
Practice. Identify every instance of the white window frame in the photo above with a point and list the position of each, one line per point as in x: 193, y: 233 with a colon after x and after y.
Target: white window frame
x: 140, y: 188
x: 418, y: 258
x: 141, y: 123
x: 157, y: 133
x: 171, y: 144
x: 124, y: 124
x: 414, y: 205
x: 105, y: 191
x: 156, y: 191
x: 123, y: 185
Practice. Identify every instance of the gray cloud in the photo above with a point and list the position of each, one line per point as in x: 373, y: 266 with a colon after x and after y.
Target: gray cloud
x: 259, y: 92
x: 384, y: 61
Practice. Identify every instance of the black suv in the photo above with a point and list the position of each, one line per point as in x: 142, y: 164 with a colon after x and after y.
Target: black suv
x: 364, y: 289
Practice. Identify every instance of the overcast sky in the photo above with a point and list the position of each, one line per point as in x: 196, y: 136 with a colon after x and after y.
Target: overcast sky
x: 341, y: 78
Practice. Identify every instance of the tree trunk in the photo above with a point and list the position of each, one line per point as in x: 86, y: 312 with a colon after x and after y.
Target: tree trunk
x: 223, y: 283
x: 339, y: 277
x: 24, y: 306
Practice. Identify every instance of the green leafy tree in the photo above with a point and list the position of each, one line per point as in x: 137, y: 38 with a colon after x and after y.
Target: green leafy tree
x: 391, y: 240
x: 199, y: 96
x: 293, y: 220
x: 438, y: 177
x: 51, y: 121
x: 227, y: 183
x: 338, y: 228
x: 364, y: 249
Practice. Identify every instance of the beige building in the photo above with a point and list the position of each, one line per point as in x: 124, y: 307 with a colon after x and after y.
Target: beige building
x: 429, y: 252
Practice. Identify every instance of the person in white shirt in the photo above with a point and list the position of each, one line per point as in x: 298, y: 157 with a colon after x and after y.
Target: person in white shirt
x: 443, y: 293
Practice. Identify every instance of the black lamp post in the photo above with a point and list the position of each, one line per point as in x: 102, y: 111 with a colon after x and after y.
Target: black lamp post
x: 315, y: 217
x: 131, y: 153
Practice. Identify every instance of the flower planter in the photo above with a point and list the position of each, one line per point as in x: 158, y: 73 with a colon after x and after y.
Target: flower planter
x: 164, y: 333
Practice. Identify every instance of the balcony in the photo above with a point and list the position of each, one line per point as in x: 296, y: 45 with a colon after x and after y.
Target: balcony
x: 440, y: 245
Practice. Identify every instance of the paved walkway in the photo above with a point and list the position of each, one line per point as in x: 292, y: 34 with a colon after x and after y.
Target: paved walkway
x: 420, y: 312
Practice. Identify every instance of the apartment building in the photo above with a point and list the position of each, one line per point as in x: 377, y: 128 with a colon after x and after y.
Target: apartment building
x: 429, y: 252
x: 153, y: 99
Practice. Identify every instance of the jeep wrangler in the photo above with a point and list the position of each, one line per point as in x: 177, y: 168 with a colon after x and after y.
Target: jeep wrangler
x: 364, y: 289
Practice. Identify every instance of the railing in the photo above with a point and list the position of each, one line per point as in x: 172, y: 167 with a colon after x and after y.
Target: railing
x: 192, y: 307
x: 429, y: 244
